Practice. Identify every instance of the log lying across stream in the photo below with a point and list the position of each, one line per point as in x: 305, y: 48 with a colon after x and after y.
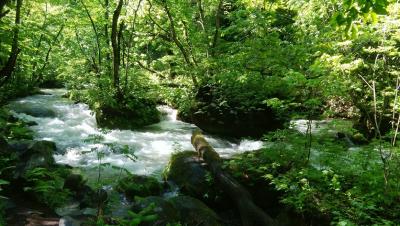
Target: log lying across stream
x: 250, y: 214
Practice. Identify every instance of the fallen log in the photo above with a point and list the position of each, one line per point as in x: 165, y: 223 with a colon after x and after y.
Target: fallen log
x: 251, y: 215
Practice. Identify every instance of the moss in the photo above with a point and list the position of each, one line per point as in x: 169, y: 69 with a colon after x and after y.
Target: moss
x: 194, y: 212
x: 126, y: 118
x: 137, y: 185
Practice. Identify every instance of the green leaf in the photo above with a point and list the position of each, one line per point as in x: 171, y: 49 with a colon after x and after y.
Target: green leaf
x: 381, y: 10
x: 354, y: 31
x: 3, y: 182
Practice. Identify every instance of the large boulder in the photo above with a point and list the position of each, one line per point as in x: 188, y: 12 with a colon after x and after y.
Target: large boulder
x: 22, y: 145
x: 233, y: 122
x: 83, y: 193
x: 123, y: 117
x: 188, y: 173
x: 40, y: 154
x: 139, y: 185
x: 228, y: 116
x: 37, y: 154
x: 194, y: 212
x: 183, y: 209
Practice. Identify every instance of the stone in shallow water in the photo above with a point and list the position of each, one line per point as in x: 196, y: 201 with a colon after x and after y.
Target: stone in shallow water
x: 71, y: 209
x: 40, y: 112
x: 69, y: 221
x: 40, y: 154
x: 139, y: 185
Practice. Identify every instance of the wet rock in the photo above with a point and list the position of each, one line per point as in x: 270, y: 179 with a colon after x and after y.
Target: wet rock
x: 186, y: 170
x: 122, y: 117
x: 21, y: 146
x: 37, y: 154
x: 120, y: 208
x: 40, y: 154
x: 4, y: 146
x: 240, y: 122
x: 31, y: 123
x: 69, y: 221
x: 194, y: 212
x: 138, y: 185
x: 74, y: 183
x: 43, y: 146
x: 166, y: 213
x: 71, y: 209
x: 87, y: 197
x: 84, y: 194
x: 35, y: 111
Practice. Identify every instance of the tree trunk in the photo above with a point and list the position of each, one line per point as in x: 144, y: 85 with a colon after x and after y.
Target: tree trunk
x: 250, y: 214
x: 107, y: 37
x: 115, y: 36
x: 8, y: 69
x: 46, y: 60
x: 97, y: 37
x: 39, y: 44
x: 177, y: 42
x: 217, y: 23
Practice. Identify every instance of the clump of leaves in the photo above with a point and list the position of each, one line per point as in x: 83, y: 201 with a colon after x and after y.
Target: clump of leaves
x: 345, y: 186
x: 47, y: 186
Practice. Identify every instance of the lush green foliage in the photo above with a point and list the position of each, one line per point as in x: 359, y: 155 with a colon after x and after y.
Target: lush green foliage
x: 344, y: 185
x: 302, y: 58
x: 47, y: 185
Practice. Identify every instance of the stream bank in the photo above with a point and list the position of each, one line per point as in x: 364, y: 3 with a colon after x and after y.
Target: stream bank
x: 69, y: 142
x: 299, y: 191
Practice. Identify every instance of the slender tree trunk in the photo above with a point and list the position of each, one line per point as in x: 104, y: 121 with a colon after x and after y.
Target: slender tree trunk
x: 97, y: 37
x: 39, y: 44
x: 8, y: 69
x: 218, y: 17
x: 107, y: 37
x: 201, y: 14
x: 129, y: 42
x: 46, y: 60
x: 115, y: 38
x: 188, y: 42
x: 89, y: 57
x: 178, y: 42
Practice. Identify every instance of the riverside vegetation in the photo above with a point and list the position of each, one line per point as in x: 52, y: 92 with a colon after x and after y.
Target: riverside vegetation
x: 234, y: 68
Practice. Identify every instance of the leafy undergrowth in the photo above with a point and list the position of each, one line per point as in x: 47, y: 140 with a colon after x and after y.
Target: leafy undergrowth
x: 344, y: 185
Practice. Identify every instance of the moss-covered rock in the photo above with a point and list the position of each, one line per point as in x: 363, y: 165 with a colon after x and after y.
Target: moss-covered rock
x: 233, y: 122
x: 166, y: 212
x: 39, y: 154
x: 194, y: 212
x: 183, y: 209
x: 191, y: 175
x: 186, y: 170
x: 124, y: 117
x: 138, y: 185
x: 34, y: 111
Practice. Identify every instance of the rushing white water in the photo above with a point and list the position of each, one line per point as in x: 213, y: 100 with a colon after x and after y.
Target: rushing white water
x: 69, y: 125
